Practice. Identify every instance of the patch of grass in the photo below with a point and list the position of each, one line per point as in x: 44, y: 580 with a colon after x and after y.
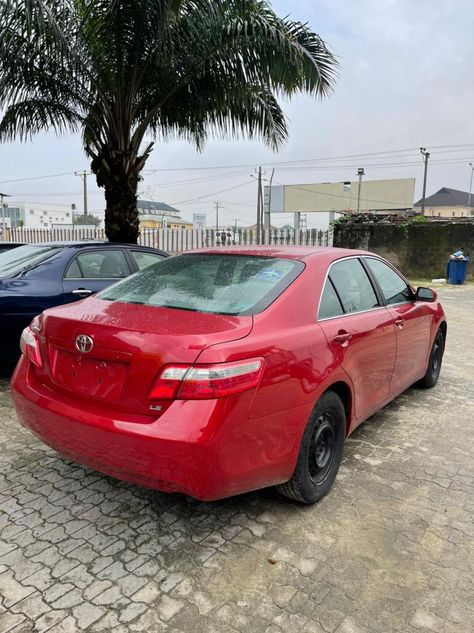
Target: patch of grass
x: 428, y: 283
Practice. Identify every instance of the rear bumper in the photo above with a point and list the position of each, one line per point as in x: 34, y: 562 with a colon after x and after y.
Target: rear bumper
x: 205, y: 449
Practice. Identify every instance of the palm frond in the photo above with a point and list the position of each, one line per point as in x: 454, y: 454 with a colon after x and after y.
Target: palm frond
x: 119, y: 70
x: 25, y: 119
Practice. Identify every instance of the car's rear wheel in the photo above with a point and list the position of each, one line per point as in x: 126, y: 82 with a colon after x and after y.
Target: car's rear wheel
x: 434, y: 366
x: 320, y: 452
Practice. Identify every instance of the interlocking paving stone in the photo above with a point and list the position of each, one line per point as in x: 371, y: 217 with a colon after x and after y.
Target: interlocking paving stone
x: 390, y: 549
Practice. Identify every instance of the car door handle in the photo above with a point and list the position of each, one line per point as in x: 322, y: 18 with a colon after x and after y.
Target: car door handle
x: 400, y: 322
x: 342, y: 337
x: 82, y: 292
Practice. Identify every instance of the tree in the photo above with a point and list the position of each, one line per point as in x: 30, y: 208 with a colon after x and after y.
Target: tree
x: 82, y: 219
x: 122, y: 71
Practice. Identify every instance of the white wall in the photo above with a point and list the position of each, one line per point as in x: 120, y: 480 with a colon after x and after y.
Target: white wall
x: 43, y: 215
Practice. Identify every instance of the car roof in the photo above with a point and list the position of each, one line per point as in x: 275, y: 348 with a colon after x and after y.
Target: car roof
x: 328, y: 253
x: 89, y: 243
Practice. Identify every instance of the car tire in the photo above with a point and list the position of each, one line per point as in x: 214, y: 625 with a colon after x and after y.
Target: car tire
x: 434, y: 365
x: 320, y: 452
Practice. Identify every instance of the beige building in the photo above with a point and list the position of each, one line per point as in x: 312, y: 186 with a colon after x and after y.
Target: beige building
x: 375, y: 195
x: 448, y: 203
x: 158, y: 215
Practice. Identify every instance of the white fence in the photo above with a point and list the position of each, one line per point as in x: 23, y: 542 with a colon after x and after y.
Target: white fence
x: 179, y: 240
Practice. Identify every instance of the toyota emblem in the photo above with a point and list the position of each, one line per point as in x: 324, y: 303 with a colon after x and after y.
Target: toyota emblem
x: 84, y: 344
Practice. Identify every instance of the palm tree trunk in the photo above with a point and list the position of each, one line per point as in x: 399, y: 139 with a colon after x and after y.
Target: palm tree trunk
x: 121, y: 214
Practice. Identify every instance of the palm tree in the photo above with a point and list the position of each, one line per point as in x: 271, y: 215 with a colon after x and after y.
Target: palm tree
x: 120, y: 71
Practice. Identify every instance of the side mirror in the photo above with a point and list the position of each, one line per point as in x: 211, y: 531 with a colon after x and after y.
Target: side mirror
x: 426, y: 294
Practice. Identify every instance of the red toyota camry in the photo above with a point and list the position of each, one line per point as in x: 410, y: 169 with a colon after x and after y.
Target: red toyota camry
x: 222, y: 371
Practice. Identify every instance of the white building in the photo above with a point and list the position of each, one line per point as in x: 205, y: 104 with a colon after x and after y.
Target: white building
x: 37, y: 215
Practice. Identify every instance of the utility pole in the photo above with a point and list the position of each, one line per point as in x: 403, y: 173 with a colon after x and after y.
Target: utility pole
x: 83, y: 175
x: 73, y: 212
x: 426, y: 156
x: 360, y: 173
x: 268, y: 212
x: 470, y: 186
x: 217, y: 206
x: 236, y: 228
x: 3, y: 195
x: 259, y: 206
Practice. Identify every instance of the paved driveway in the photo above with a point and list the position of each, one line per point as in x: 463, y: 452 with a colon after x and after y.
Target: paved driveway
x: 390, y: 549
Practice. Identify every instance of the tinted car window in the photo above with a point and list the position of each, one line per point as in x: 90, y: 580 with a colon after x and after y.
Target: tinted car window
x: 104, y: 264
x: 394, y: 288
x: 330, y: 305
x: 223, y: 284
x: 144, y: 259
x: 73, y: 272
x: 353, y: 286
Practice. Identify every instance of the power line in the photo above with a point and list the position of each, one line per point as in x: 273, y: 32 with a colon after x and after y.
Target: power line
x: 195, y: 180
x: 410, y: 150
x: 215, y: 193
x: 67, y: 173
x: 407, y: 151
x: 443, y: 162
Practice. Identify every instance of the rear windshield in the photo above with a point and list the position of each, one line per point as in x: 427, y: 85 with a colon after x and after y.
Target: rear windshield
x: 12, y: 262
x: 220, y: 284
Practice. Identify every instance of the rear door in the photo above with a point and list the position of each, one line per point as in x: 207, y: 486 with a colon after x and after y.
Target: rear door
x: 360, y: 332
x: 412, y: 322
x: 93, y: 270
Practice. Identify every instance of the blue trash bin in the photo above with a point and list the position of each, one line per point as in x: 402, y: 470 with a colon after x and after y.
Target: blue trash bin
x: 456, y: 272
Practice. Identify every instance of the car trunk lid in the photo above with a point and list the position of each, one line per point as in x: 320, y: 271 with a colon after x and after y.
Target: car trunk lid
x: 112, y: 352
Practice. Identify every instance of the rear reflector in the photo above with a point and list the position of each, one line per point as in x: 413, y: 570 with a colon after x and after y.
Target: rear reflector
x: 202, y: 382
x: 29, y: 345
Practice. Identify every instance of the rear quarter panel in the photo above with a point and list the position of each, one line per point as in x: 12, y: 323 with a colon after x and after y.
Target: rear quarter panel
x: 299, y: 368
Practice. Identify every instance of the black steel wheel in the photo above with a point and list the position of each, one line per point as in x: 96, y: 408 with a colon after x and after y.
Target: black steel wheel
x: 434, y: 365
x: 320, y: 452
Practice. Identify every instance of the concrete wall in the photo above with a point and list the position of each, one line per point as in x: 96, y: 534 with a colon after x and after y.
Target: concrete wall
x: 418, y: 250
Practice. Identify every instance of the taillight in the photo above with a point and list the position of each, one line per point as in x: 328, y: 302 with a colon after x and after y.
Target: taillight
x: 203, y: 382
x: 168, y: 382
x: 29, y: 343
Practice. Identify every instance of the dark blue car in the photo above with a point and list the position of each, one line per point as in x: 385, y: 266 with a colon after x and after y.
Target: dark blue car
x: 39, y: 276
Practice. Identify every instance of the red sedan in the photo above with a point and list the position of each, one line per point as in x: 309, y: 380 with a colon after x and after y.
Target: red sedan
x: 222, y: 371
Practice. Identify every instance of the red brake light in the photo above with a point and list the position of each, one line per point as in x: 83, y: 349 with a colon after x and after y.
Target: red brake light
x: 168, y: 382
x: 202, y: 382
x: 29, y: 343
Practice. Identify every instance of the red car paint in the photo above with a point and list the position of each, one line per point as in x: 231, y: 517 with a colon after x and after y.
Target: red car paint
x: 95, y: 409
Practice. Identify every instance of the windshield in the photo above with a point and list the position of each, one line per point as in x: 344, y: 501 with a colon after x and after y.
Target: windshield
x: 222, y: 284
x: 15, y: 260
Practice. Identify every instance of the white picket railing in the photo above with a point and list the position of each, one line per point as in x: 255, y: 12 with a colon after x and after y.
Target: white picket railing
x: 179, y: 240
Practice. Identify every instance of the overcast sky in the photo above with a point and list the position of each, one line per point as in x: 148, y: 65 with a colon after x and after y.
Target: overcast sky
x: 406, y: 80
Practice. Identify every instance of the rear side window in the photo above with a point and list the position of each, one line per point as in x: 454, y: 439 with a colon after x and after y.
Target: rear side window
x: 222, y: 284
x: 73, y: 272
x: 330, y: 305
x: 104, y: 264
x: 144, y: 259
x: 353, y: 286
x: 394, y: 288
